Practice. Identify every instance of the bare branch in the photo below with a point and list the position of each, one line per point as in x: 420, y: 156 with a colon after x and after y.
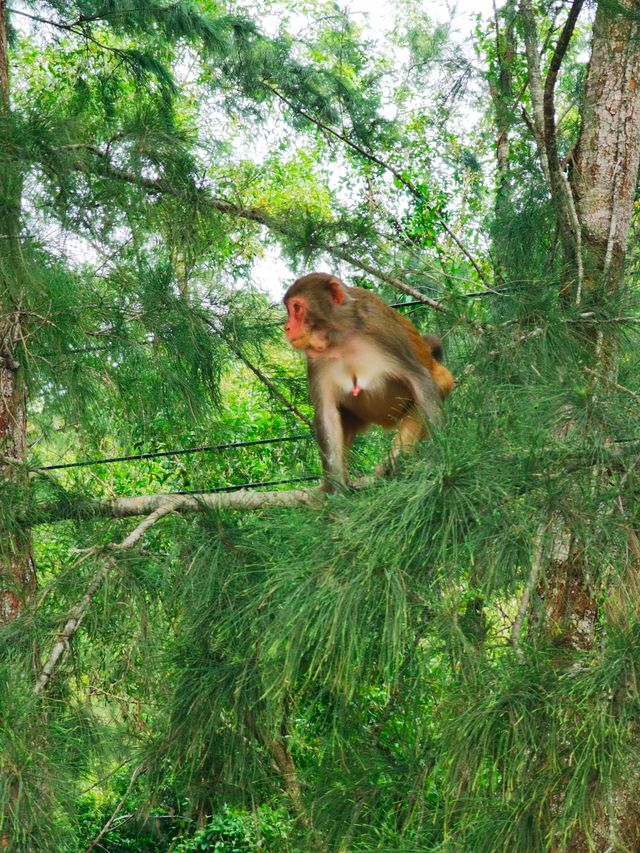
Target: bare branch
x: 140, y: 769
x: 142, y: 528
x: 74, y: 620
x: 79, y: 610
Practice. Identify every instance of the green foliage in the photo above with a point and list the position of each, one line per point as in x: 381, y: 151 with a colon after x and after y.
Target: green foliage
x: 343, y: 676
x: 239, y: 832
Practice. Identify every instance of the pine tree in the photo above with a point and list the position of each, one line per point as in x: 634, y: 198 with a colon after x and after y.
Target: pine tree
x: 444, y: 661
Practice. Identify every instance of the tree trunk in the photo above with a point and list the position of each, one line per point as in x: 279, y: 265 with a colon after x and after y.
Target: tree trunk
x: 606, y: 168
x: 17, y: 575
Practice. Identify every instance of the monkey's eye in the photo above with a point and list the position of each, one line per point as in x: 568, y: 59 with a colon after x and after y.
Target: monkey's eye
x: 297, y: 309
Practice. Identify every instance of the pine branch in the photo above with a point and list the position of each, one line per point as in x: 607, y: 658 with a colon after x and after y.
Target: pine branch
x: 140, y: 769
x: 395, y: 692
x: 272, y: 388
x: 163, y: 504
x: 78, y: 612
x: 368, y: 155
x: 390, y: 279
x: 253, y: 214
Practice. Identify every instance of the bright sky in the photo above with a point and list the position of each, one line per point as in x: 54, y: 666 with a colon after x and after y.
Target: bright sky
x: 271, y: 273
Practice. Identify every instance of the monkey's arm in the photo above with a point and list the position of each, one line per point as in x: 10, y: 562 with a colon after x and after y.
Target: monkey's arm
x: 327, y: 425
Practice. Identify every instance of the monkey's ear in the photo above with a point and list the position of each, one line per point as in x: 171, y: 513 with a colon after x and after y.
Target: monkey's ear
x: 336, y: 291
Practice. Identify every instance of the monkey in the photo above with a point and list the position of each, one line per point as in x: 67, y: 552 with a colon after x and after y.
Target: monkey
x: 366, y: 364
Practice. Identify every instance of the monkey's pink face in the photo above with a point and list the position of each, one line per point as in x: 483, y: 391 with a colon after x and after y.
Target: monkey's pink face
x: 299, y: 332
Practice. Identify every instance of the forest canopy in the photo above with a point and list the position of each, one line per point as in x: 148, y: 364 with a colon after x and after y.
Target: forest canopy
x: 199, y: 650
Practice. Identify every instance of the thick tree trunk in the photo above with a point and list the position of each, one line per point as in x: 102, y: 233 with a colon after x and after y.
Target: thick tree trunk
x: 17, y: 576
x: 606, y: 169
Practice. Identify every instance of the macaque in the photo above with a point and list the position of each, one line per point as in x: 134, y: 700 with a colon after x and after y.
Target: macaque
x: 366, y: 365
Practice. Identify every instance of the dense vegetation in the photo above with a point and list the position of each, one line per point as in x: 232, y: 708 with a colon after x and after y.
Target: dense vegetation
x: 443, y: 661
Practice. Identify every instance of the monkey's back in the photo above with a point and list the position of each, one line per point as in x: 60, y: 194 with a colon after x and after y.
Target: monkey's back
x: 395, y: 328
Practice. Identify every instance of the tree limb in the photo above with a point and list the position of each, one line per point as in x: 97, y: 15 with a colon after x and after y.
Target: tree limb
x: 137, y: 505
x: 78, y: 612
x: 368, y: 155
x: 560, y: 188
x: 251, y: 213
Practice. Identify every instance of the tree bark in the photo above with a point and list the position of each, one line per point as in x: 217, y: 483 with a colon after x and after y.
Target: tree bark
x: 17, y: 575
x: 606, y: 169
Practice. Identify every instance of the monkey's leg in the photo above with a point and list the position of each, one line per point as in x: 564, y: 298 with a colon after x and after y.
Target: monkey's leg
x: 330, y: 436
x: 351, y: 426
x: 428, y: 399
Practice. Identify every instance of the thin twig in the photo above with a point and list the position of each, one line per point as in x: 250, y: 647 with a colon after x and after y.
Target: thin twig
x: 536, y: 564
x: 275, y: 391
x: 614, y: 384
x: 141, y: 768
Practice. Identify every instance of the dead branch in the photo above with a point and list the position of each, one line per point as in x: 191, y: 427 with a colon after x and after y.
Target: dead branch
x: 74, y: 620
x: 79, y: 610
x: 142, y: 528
x: 141, y: 768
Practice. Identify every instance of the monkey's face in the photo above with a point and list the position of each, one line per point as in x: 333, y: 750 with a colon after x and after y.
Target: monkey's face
x: 313, y: 305
x: 304, y: 330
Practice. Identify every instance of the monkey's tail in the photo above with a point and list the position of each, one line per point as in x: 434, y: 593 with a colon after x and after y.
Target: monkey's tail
x: 435, y: 345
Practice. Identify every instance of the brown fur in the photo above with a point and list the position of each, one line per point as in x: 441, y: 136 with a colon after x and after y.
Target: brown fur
x: 367, y: 364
